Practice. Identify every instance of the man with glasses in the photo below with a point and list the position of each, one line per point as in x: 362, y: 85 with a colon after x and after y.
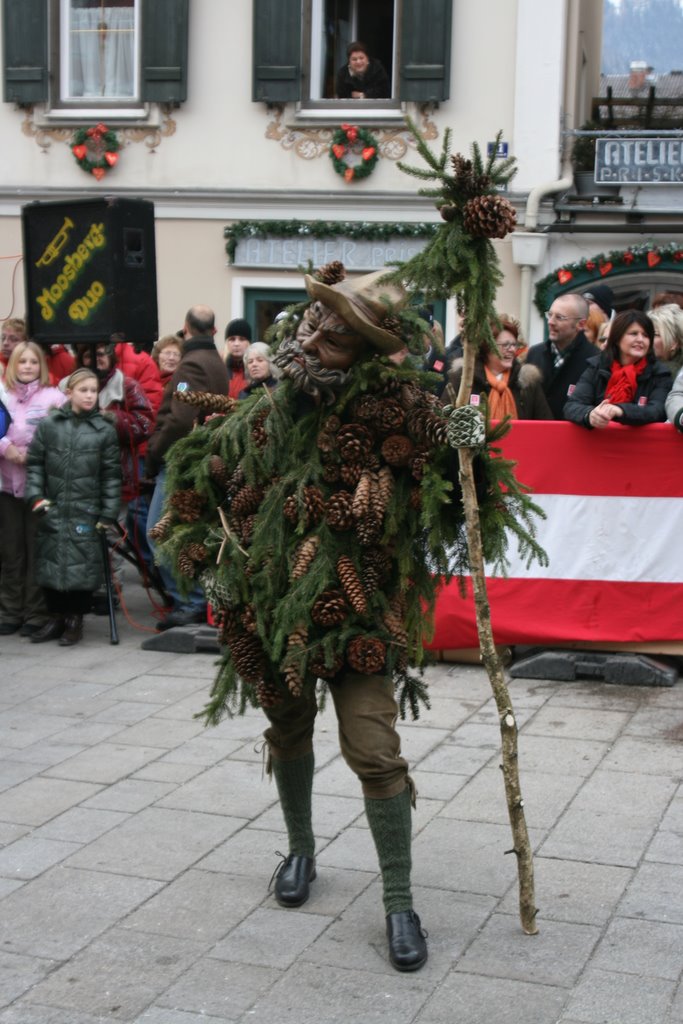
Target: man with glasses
x: 563, y: 356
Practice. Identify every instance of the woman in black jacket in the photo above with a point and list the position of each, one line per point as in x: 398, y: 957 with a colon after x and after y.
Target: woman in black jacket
x: 363, y: 77
x: 625, y: 383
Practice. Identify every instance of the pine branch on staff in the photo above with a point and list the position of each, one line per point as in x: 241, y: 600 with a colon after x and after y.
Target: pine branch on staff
x: 460, y: 261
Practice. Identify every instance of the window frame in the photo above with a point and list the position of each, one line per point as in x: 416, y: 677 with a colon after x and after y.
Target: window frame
x: 29, y: 63
x: 282, y: 47
x: 79, y: 106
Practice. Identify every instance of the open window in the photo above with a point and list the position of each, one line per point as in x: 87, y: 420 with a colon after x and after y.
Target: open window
x: 95, y: 57
x: 335, y: 24
x: 300, y: 45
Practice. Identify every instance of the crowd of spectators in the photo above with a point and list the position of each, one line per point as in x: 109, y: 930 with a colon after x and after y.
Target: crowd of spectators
x: 595, y: 367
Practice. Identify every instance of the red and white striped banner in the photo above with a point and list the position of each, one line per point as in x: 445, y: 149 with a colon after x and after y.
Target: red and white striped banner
x: 613, y: 535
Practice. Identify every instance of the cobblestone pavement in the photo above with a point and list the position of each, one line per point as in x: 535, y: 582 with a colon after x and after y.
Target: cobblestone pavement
x: 136, y: 847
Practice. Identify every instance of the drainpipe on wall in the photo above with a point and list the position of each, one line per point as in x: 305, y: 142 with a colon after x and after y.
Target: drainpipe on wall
x: 529, y: 246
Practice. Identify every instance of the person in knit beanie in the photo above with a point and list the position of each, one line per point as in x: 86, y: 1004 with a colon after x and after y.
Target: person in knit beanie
x: 237, y: 341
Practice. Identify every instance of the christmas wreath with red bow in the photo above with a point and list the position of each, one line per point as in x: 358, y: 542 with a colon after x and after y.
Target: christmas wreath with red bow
x: 352, y: 139
x: 96, y: 149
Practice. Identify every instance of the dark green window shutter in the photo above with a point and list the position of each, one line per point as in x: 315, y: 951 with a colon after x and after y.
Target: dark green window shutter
x: 164, y: 51
x: 24, y: 31
x: 277, y: 51
x: 425, y: 66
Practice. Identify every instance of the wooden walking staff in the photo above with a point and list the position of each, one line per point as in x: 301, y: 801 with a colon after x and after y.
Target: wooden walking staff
x: 460, y: 262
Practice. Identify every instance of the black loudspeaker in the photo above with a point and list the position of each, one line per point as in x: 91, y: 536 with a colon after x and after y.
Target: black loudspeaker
x: 90, y: 270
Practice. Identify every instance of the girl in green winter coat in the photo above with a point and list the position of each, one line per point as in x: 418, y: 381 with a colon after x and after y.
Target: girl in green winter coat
x: 74, y: 484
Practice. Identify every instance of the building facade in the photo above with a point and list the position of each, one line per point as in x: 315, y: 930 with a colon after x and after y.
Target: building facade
x: 224, y: 115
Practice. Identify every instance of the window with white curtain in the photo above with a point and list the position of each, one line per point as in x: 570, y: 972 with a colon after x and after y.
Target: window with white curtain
x: 99, y: 51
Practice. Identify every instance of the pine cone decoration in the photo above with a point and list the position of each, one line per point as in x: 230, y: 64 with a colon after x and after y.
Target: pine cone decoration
x: 369, y: 531
x: 467, y: 182
x: 290, y: 509
x: 218, y: 471
x: 385, y: 487
x: 185, y: 564
x: 318, y: 666
x: 389, y: 417
x: 311, y: 506
x: 397, y: 450
x: 489, y: 217
x: 350, y: 473
x: 375, y: 568
x: 397, y: 605
x: 162, y: 527
x: 293, y: 670
x: 353, y: 588
x: 395, y: 626
x: 207, y: 401
x: 246, y: 501
x: 197, y: 552
x: 326, y: 441
x: 436, y: 429
x: 188, y: 505
x: 339, y: 513
x: 410, y: 395
x: 362, y: 496
x: 235, y: 482
x: 258, y: 431
x: 314, y: 505
x: 247, y: 528
x: 366, y: 654
x: 354, y: 440
x: 247, y: 655
x: 305, y: 554
x: 463, y: 172
x: 331, y: 273
x: 417, y: 463
x: 248, y: 619
x: 268, y: 693
x: 330, y: 609
x: 365, y: 408
x: 330, y: 473
x: 415, y: 498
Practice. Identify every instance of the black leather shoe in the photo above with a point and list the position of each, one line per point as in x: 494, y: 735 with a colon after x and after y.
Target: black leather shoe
x: 73, y: 631
x: 292, y: 880
x: 29, y: 629
x: 407, y: 946
x: 7, y: 628
x: 180, y: 617
x: 52, y: 630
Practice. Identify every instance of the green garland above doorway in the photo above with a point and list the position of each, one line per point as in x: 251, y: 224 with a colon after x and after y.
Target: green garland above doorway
x: 368, y: 230
x: 577, y: 275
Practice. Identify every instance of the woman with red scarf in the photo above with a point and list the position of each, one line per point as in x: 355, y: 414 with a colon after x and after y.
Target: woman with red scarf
x: 625, y: 383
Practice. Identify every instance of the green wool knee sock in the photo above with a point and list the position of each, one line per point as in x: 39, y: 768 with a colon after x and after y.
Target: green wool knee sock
x: 390, y: 826
x: 294, y: 780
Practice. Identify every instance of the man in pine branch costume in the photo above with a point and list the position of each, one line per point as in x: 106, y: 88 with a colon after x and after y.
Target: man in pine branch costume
x: 315, y: 516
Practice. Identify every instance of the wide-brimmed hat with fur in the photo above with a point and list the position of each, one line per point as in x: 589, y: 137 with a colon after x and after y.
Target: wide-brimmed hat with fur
x: 364, y: 304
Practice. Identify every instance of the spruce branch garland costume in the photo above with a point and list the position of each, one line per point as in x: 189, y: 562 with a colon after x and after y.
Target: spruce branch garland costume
x: 318, y: 518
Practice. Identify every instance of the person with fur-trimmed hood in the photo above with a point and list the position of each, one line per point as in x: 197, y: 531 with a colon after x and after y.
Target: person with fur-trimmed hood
x: 509, y: 386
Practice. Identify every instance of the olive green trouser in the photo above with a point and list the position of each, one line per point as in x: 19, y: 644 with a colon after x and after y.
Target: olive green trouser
x: 366, y: 714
